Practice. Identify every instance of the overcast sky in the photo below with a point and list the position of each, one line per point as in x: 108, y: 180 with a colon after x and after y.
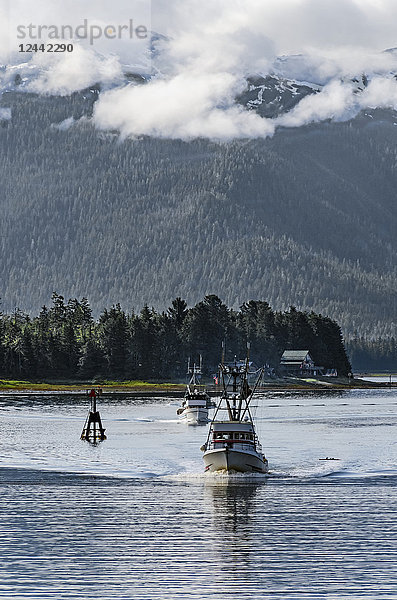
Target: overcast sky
x: 273, y: 26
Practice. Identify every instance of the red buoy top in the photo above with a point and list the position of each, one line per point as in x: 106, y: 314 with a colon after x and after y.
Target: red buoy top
x: 92, y: 394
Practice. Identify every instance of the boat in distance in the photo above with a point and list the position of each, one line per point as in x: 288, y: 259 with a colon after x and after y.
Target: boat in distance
x: 232, y: 444
x: 196, y: 402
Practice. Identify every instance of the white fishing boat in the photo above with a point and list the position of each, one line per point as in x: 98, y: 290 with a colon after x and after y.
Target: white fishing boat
x: 232, y: 444
x: 196, y: 402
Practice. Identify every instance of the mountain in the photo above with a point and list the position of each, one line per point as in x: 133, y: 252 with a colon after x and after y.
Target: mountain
x: 272, y: 96
x: 306, y: 218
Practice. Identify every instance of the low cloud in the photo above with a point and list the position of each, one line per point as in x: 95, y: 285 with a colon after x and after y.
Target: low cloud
x: 5, y: 114
x: 185, y: 106
x: 204, y: 53
x: 380, y: 93
x: 336, y: 101
x: 340, y: 101
x: 211, y: 47
x: 64, y: 125
x: 70, y: 72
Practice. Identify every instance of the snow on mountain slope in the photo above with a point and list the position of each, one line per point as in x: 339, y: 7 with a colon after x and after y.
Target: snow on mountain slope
x: 271, y: 96
x: 290, y: 82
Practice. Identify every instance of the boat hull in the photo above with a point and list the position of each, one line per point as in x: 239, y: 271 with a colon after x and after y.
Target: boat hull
x: 195, y: 416
x: 230, y: 460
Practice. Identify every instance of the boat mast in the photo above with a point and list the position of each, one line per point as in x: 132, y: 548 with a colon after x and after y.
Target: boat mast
x: 244, y: 384
x: 249, y: 398
x: 194, y: 373
x: 224, y: 385
x: 189, y: 372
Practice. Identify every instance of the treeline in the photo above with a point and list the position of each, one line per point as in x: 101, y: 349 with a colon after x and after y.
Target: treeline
x: 64, y: 340
x: 305, y: 218
x: 373, y: 355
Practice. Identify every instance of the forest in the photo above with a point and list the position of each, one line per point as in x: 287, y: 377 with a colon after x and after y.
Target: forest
x: 307, y: 218
x: 65, y: 342
x: 373, y: 356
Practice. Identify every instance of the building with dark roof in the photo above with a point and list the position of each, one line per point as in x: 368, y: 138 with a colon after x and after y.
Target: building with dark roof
x: 298, y: 362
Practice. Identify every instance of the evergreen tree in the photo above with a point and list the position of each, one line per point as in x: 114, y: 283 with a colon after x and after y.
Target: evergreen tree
x: 256, y: 321
x: 178, y: 312
x: 206, y: 327
x: 28, y: 354
x: 70, y: 350
x: 92, y: 363
x: 114, y: 340
x: 145, y: 343
x: 65, y: 341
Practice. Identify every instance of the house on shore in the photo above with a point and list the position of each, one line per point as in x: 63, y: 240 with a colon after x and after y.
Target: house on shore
x: 298, y: 363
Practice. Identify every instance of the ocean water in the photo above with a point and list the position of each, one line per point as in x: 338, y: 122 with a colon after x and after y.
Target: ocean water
x: 135, y: 517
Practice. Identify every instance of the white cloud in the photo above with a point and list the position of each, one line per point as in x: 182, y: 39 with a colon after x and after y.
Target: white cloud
x: 292, y: 26
x: 185, y: 106
x: 67, y: 73
x: 5, y: 114
x: 340, y: 101
x: 64, y: 125
x: 336, y: 101
x: 381, y: 93
x: 212, y: 45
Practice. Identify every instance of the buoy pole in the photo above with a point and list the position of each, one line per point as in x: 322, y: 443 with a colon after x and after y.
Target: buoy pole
x: 93, y: 431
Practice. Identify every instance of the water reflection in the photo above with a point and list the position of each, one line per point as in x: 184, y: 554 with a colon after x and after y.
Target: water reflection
x: 233, y: 503
x: 233, y: 506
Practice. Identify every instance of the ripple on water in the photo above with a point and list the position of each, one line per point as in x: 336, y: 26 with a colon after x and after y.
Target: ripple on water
x: 136, y: 517
x: 72, y: 536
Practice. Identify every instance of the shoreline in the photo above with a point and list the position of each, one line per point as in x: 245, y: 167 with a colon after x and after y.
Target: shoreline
x: 150, y: 388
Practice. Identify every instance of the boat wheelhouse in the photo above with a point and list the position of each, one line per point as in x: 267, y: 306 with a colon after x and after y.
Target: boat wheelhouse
x: 232, y: 444
x: 196, y: 402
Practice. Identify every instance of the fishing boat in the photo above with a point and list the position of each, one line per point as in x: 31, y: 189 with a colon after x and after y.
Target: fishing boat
x: 232, y: 444
x: 196, y: 401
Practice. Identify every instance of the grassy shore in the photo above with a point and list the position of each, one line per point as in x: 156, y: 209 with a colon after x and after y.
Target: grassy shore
x: 55, y: 386
x: 164, y: 387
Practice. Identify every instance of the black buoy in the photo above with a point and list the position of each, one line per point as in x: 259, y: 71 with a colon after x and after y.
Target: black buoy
x: 93, y: 430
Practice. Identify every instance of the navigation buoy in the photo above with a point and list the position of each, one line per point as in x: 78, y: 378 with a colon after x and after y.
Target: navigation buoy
x: 93, y: 430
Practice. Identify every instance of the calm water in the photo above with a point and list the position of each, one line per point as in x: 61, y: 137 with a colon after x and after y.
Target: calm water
x: 135, y: 518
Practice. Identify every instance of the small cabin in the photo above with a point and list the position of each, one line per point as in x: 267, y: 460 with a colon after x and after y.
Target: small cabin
x: 299, y: 362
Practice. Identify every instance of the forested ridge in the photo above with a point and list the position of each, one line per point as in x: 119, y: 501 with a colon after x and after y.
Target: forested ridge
x: 307, y: 218
x: 376, y: 356
x: 65, y: 341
